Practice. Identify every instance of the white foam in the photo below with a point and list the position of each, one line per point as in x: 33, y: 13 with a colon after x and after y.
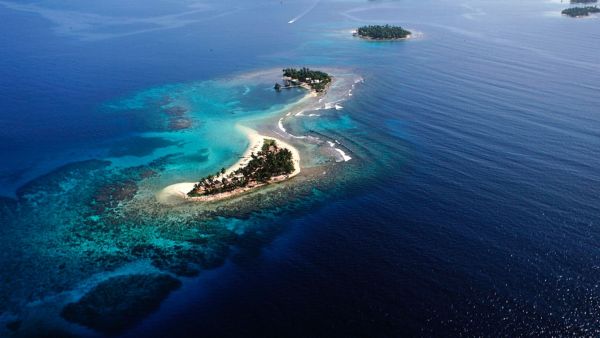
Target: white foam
x: 338, y: 107
x: 280, y: 124
x: 344, y: 156
x: 305, y: 12
x: 292, y: 136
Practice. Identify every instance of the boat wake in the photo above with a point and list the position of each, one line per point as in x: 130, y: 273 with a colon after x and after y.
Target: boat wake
x: 305, y: 12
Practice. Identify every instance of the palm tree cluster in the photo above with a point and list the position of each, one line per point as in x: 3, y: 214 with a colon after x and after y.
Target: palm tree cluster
x: 580, y: 11
x: 379, y: 32
x: 317, y: 80
x: 583, y: 1
x: 269, y: 162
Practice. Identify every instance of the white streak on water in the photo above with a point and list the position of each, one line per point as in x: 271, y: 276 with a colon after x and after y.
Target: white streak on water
x: 280, y: 124
x: 305, y: 12
x: 344, y: 156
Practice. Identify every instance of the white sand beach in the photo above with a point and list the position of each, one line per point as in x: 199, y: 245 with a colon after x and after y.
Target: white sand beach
x: 176, y: 193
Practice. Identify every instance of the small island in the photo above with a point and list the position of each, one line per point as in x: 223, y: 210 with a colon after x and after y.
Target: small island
x: 578, y: 12
x: 379, y: 32
x: 573, y: 2
x: 271, y: 163
x: 313, y: 80
x: 266, y: 160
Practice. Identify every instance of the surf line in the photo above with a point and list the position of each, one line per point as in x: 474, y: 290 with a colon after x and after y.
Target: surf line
x: 305, y: 12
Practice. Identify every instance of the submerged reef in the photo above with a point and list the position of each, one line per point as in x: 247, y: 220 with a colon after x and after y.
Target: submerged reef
x: 89, y: 235
x: 120, y: 302
x: 72, y: 229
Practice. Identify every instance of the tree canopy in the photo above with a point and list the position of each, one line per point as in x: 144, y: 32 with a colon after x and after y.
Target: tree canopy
x: 317, y: 80
x: 379, y: 32
x: 580, y: 11
x: 583, y: 1
x: 269, y: 162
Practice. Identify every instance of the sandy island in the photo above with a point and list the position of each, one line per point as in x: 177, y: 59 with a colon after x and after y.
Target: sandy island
x: 176, y: 193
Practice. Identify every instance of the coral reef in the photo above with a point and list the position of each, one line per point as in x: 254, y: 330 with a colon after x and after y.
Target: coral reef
x: 120, y: 302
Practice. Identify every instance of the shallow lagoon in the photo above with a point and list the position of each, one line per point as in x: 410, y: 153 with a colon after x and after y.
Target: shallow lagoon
x: 98, y: 219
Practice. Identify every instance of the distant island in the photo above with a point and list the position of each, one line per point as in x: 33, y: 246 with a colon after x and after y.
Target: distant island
x: 583, y: 1
x: 271, y: 163
x: 378, y: 32
x: 310, y: 79
x: 578, y: 12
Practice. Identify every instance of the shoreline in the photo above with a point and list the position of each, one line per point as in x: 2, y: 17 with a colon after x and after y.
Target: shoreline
x: 176, y: 193
x: 364, y: 37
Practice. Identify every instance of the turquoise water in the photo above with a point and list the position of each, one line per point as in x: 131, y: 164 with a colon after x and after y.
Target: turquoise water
x: 469, y: 205
x: 211, y: 111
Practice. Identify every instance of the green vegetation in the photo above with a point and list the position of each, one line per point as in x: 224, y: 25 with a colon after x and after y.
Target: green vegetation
x: 269, y: 162
x: 576, y: 12
x: 379, y: 32
x: 583, y: 1
x: 315, y: 79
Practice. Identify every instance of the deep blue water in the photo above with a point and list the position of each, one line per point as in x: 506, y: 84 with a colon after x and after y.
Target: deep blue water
x: 483, y: 131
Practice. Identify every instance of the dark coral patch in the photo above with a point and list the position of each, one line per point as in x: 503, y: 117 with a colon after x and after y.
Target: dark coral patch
x: 13, y: 325
x: 110, y: 195
x: 179, y: 123
x: 176, y: 111
x: 120, y: 302
x: 52, y: 181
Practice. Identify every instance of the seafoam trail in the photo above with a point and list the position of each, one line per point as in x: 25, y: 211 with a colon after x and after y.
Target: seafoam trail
x: 305, y: 12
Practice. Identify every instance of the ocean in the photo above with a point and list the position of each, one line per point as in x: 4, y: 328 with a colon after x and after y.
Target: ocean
x: 469, y: 205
